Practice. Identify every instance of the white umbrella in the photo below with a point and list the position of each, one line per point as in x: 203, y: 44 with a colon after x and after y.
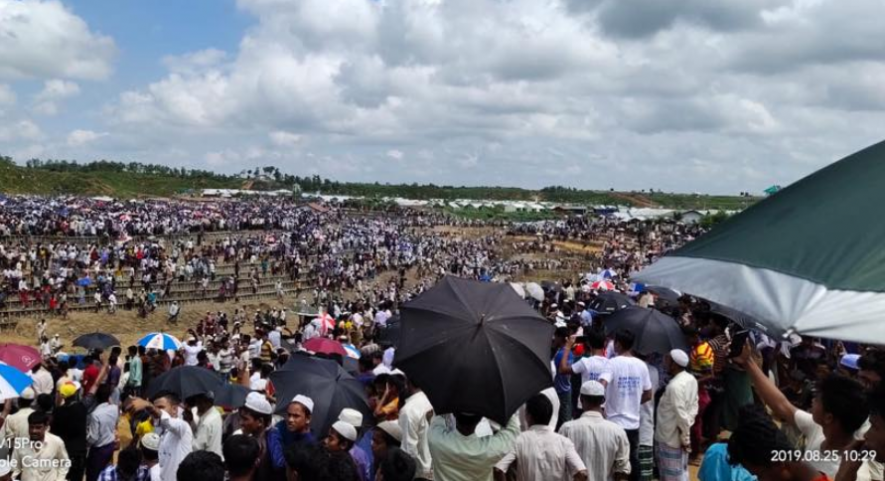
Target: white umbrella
x: 518, y: 288
x: 534, y: 290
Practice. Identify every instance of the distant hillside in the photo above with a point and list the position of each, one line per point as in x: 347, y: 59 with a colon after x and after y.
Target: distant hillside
x: 125, y: 180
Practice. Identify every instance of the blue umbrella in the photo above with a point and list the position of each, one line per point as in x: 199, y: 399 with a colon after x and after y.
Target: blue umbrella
x: 86, y: 281
x: 161, y: 341
x: 12, y: 382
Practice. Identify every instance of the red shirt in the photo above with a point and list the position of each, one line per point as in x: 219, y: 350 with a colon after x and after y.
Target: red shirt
x: 90, y: 375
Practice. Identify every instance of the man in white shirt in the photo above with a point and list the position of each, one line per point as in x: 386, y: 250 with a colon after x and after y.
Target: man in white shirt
x: 208, y: 434
x: 17, y: 424
x: 191, y: 349
x: 44, y: 458
x: 43, y: 383
x: 591, y: 367
x: 676, y: 413
x: 460, y: 455
x: 540, y: 453
x: 627, y: 385
x: 413, y: 422
x: 176, y: 437
x: 275, y: 336
x: 646, y: 452
x: 602, y: 444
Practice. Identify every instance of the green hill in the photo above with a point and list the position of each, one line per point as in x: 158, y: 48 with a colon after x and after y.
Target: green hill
x: 126, y: 180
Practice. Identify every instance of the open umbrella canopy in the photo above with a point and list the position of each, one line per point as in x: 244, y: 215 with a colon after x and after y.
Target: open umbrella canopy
x: 475, y: 347
x: 655, y: 331
x: 604, y: 285
x: 517, y: 287
x: 326, y: 383
x: 324, y: 345
x: 18, y: 356
x: 96, y: 340
x: 534, y: 290
x: 390, y: 334
x: 665, y: 293
x: 161, y: 341
x: 610, y: 301
x: 186, y: 381
x: 744, y: 320
x: 232, y: 396
x: 12, y: 382
x: 809, y: 258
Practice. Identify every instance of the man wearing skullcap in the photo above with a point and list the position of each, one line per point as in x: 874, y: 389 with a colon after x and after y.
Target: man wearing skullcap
x: 676, y: 414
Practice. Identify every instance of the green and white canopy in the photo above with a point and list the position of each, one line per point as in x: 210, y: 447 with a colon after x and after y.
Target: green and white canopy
x: 810, y: 258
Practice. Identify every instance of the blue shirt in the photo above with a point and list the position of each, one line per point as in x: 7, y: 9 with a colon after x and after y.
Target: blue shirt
x: 715, y: 466
x: 365, y: 443
x: 288, y: 438
x: 562, y: 382
x: 363, y: 462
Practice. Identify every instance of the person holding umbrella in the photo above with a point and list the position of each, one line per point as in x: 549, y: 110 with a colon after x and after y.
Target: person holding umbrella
x: 628, y: 385
x: 460, y: 455
x: 540, y: 453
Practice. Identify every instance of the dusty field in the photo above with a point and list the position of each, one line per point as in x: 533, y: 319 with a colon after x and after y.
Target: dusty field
x: 126, y: 325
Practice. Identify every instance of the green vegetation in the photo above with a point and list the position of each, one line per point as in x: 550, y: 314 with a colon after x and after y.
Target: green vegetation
x: 124, y: 180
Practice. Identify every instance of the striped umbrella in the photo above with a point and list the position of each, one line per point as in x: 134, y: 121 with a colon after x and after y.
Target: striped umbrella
x: 809, y: 258
x: 161, y: 341
x: 12, y: 382
x: 352, y: 351
x: 602, y: 286
x: 326, y: 323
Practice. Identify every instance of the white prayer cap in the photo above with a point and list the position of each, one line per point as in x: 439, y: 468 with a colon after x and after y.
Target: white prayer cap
x: 679, y: 357
x: 304, y: 401
x: 345, y: 430
x: 258, y: 402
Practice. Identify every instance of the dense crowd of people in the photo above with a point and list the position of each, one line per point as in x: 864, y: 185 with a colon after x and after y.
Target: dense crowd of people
x: 740, y: 406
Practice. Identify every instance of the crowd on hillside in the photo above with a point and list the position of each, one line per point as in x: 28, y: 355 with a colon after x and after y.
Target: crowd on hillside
x: 612, y: 413
x: 799, y: 408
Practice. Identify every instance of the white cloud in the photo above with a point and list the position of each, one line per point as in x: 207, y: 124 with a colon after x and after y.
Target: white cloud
x: 7, y: 95
x: 79, y: 138
x: 194, y: 61
x: 709, y: 95
x: 24, y: 130
x: 54, y: 91
x: 44, y: 39
x: 284, y: 139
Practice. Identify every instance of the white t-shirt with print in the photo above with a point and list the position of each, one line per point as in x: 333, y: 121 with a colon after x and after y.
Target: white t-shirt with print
x: 627, y: 379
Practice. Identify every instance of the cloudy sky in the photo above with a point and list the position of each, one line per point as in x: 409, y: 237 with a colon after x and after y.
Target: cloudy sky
x: 716, y: 96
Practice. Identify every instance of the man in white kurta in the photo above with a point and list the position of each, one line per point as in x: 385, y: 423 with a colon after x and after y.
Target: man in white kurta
x: 676, y: 413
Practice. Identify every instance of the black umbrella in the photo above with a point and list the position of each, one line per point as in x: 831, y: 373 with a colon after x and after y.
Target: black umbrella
x: 232, y: 395
x: 96, y: 340
x: 475, y: 347
x: 742, y: 319
x: 186, y: 381
x: 665, y: 293
x: 608, y: 302
x: 326, y: 383
x: 389, y: 335
x: 655, y: 331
